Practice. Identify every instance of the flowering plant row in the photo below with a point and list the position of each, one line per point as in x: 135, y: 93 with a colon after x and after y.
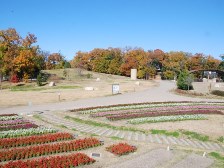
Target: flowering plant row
x: 121, y: 149
x: 166, y: 119
x: 171, y: 108
x: 19, y: 126
x: 35, y: 139
x: 26, y: 132
x: 142, y: 106
x: 154, y: 114
x: 68, y: 161
x: 1, y: 115
x: 5, y: 118
x: 45, y: 149
x: 133, y: 104
x: 13, y: 122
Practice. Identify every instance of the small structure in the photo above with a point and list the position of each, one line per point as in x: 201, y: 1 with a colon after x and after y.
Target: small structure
x: 52, y: 84
x: 89, y: 88
x: 133, y: 74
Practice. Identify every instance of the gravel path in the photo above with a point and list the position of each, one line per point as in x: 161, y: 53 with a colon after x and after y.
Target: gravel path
x: 160, y: 157
x: 194, y: 161
x: 155, y: 158
x: 154, y: 94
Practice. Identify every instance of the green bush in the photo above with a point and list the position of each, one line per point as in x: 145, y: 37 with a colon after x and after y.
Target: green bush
x: 184, y: 81
x: 218, y: 92
x: 89, y: 75
x: 42, y: 77
x: 39, y: 80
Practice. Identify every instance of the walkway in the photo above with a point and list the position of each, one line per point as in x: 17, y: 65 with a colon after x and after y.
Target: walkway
x: 132, y: 136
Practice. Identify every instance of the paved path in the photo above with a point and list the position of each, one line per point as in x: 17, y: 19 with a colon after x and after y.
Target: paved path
x: 132, y: 136
x: 154, y: 94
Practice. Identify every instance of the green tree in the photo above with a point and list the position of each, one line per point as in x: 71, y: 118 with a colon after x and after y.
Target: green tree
x: 184, y: 81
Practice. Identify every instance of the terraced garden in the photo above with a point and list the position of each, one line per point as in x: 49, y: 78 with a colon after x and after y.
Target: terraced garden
x: 34, y: 146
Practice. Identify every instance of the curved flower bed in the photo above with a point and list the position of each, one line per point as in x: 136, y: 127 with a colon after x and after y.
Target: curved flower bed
x: 13, y: 117
x: 121, y: 149
x: 166, y: 119
x: 157, y: 109
x: 26, y: 132
x: 45, y: 149
x: 13, y: 122
x: 1, y: 115
x: 142, y: 106
x: 68, y: 161
x: 18, y: 126
x: 154, y: 114
x: 35, y: 139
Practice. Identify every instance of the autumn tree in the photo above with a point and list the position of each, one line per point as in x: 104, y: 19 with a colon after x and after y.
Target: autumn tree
x: 19, y: 56
x: 55, y: 61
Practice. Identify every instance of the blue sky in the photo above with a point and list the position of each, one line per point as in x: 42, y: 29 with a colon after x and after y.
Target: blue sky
x: 67, y: 26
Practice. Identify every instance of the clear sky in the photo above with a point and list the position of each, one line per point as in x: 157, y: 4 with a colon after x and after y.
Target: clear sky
x: 67, y: 26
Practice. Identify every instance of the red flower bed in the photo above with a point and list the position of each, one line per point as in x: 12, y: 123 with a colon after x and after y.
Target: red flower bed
x: 67, y: 161
x: 35, y: 139
x: 121, y: 149
x: 18, y: 126
x: 154, y: 114
x: 45, y: 149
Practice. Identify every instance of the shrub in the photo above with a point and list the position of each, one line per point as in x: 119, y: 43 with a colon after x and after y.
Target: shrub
x: 218, y: 92
x: 184, y: 81
x: 89, y: 75
x: 14, y: 79
x: 39, y: 79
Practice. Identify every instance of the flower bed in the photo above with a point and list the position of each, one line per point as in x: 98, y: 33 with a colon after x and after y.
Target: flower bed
x: 13, y: 117
x: 154, y: 114
x: 156, y: 109
x: 13, y: 122
x: 121, y: 149
x: 45, y: 149
x: 35, y: 139
x: 26, y: 132
x: 166, y: 119
x: 1, y: 115
x: 18, y: 126
x: 140, y: 106
x: 67, y: 161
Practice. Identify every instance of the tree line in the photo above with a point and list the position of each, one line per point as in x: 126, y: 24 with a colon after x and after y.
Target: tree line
x: 20, y: 58
x: 120, y: 62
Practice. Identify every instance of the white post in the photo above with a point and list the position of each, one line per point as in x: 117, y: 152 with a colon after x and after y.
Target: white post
x: 133, y: 74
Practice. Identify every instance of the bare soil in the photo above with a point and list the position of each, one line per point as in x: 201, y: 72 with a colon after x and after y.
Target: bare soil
x: 103, y: 87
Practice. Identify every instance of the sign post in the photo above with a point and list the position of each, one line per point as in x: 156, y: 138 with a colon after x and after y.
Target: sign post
x: 115, y: 88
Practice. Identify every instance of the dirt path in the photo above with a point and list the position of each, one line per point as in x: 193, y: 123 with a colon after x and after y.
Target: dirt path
x: 154, y: 94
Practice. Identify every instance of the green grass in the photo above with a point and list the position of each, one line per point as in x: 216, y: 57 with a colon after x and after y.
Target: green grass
x: 116, y: 138
x: 165, y: 132
x: 217, y: 156
x: 93, y: 135
x: 62, y: 126
x: 40, y: 88
x: 99, y: 124
x: 221, y: 139
x: 196, y: 135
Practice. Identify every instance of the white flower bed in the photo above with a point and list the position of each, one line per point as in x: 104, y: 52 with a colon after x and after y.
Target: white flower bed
x: 26, y: 132
x: 140, y: 106
x: 166, y: 118
x: 6, y: 118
